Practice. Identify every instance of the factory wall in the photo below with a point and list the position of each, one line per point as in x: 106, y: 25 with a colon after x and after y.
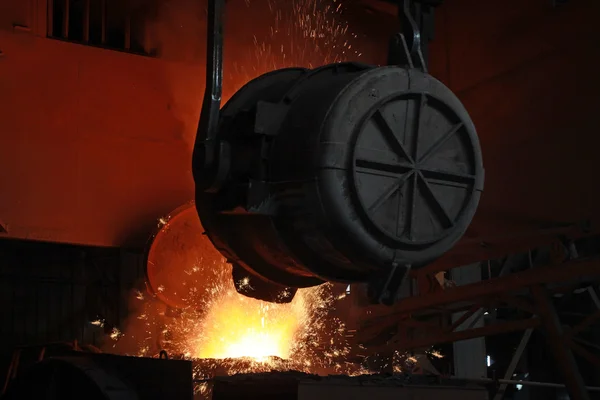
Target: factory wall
x: 96, y: 143
x: 532, y: 102
x: 93, y: 143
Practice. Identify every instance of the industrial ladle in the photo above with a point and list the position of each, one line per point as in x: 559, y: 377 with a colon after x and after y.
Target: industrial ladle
x: 347, y: 173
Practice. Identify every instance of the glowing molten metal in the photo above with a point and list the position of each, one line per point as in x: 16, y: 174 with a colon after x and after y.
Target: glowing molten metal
x: 238, y: 326
x: 234, y: 326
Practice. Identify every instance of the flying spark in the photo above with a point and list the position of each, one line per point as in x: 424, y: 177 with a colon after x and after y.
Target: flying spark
x: 303, y: 33
x: 226, y: 333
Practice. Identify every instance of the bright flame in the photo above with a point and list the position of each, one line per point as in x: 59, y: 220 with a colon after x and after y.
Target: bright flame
x: 229, y: 325
x: 237, y: 326
x: 243, y: 334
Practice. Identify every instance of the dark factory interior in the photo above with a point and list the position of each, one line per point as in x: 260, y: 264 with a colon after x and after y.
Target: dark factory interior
x: 299, y: 199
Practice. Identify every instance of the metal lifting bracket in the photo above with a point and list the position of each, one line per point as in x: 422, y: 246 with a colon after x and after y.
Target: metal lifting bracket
x: 409, y: 46
x: 211, y: 157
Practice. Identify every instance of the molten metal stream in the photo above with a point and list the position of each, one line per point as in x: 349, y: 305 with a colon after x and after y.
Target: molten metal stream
x: 238, y: 326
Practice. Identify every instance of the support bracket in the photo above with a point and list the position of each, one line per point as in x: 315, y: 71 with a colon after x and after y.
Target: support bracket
x: 384, y: 288
x: 409, y: 46
x: 211, y: 156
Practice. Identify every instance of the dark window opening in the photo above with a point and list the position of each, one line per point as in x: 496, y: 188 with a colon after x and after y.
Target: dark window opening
x: 76, y: 20
x: 56, y: 16
x: 97, y: 23
x: 102, y: 23
x: 116, y: 28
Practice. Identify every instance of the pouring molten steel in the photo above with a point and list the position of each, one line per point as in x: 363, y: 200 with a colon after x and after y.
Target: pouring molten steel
x: 199, y: 313
x: 195, y: 311
x: 237, y: 326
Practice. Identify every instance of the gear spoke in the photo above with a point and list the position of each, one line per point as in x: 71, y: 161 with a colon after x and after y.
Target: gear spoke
x: 447, y: 176
x: 411, y: 208
x: 388, y: 193
x: 440, y: 142
x: 382, y: 168
x: 417, y: 159
x: 436, y: 204
x: 390, y: 137
x: 377, y: 172
x: 449, y: 183
x: 419, y: 125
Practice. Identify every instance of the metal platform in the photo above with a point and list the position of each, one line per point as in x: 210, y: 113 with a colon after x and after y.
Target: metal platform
x: 298, y: 386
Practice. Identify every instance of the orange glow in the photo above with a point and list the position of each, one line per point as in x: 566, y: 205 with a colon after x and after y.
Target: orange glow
x: 243, y: 334
x: 237, y: 326
x: 230, y: 325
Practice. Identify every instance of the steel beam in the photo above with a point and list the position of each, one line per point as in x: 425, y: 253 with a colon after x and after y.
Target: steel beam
x: 469, y: 251
x: 560, y: 347
x: 450, y: 337
x: 564, y: 273
x: 513, y: 363
x: 594, y: 295
x: 589, y: 320
x: 518, y: 303
x: 583, y: 353
x: 463, y: 318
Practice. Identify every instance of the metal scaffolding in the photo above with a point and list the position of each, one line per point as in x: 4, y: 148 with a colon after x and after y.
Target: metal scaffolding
x: 528, y: 283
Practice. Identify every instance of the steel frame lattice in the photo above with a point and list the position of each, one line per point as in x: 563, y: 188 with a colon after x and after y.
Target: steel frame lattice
x: 423, y: 320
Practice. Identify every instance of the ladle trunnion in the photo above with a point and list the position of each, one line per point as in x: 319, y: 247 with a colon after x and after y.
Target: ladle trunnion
x: 345, y: 173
